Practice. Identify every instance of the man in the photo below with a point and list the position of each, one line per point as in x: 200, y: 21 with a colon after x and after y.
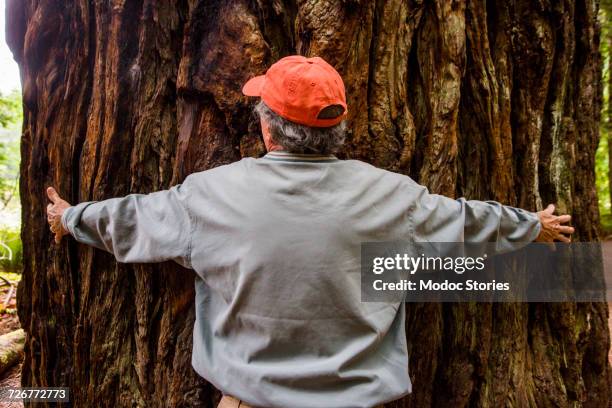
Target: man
x: 275, y: 244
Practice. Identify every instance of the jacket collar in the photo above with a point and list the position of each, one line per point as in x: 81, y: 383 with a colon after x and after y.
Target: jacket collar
x: 279, y: 155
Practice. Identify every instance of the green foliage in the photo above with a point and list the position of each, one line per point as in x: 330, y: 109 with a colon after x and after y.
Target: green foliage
x: 11, y: 117
x: 601, y: 181
x: 602, y: 156
x: 11, y: 276
x: 11, y: 112
x: 11, y: 250
x: 601, y: 171
x: 9, y: 169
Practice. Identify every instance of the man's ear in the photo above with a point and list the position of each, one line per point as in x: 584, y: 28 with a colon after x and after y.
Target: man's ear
x: 265, y: 129
x: 265, y: 133
x: 264, y: 126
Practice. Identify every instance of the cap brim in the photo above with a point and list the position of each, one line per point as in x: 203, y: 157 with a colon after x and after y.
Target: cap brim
x: 253, y: 86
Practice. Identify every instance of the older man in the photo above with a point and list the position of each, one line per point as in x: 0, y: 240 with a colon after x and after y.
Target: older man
x: 275, y: 244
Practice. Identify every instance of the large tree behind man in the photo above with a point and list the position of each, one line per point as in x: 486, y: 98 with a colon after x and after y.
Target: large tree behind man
x: 484, y: 99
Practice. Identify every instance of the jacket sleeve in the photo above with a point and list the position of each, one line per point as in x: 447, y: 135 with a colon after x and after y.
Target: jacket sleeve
x: 137, y: 228
x: 441, y: 219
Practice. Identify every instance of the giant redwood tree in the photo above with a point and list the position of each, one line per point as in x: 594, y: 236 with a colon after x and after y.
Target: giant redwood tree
x: 488, y: 99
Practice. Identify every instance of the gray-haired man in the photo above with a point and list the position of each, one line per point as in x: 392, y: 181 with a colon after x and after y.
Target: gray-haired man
x: 275, y: 244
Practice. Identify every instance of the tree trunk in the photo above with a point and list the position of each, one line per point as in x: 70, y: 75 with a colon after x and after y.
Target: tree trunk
x: 488, y: 99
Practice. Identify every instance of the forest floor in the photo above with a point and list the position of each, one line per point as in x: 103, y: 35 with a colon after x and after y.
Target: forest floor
x: 8, y: 305
x: 12, y: 379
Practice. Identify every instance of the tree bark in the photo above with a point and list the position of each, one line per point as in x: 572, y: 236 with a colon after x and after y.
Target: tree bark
x: 487, y: 99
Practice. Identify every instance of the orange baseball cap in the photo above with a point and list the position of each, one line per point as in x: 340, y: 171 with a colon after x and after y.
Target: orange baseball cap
x: 299, y: 88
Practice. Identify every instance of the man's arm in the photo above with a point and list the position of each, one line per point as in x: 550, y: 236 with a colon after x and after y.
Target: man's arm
x: 139, y: 228
x: 442, y: 219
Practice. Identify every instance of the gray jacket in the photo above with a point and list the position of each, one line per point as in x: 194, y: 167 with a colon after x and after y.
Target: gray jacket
x: 275, y: 243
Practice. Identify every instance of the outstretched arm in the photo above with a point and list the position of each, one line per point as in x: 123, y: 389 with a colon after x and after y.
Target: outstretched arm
x: 143, y: 228
x: 442, y: 219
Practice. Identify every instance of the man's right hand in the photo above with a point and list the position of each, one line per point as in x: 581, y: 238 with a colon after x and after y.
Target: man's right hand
x: 552, y: 226
x: 55, y: 212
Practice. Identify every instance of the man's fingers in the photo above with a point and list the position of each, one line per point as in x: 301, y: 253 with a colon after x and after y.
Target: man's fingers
x: 564, y: 229
x: 57, y: 230
x: 53, y: 195
x: 550, y: 209
x: 563, y: 238
x: 563, y: 218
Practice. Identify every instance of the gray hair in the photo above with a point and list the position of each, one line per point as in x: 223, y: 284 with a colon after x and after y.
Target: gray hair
x: 296, y: 138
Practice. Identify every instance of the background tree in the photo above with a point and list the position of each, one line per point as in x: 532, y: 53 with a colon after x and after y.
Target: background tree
x: 10, y: 114
x: 10, y: 126
x: 487, y: 99
x: 606, y: 51
x: 604, y: 151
